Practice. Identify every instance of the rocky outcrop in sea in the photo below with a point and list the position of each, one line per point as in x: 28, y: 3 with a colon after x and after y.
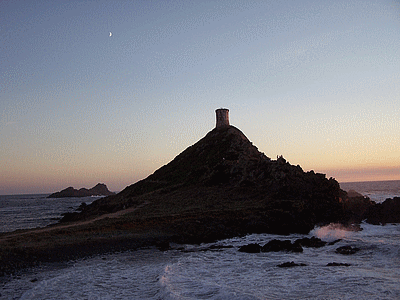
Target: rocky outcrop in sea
x: 99, y: 189
x: 359, y: 208
x: 383, y: 213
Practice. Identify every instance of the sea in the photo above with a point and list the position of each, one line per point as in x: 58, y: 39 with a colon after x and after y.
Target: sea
x: 217, y: 270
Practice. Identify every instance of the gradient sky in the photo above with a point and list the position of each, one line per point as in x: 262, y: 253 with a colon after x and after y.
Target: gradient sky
x: 315, y: 81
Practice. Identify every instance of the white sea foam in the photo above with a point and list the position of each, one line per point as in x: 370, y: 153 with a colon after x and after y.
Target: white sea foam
x: 333, y: 232
x: 226, y: 273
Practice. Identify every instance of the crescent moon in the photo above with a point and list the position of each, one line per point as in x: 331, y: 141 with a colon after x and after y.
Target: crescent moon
x: 110, y: 33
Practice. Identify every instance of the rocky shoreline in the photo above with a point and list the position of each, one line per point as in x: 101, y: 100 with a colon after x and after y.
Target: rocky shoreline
x: 27, y: 257
x: 64, y: 242
x: 221, y: 187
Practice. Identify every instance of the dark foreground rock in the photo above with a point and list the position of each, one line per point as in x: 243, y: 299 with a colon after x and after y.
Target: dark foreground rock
x: 312, y: 242
x: 383, y: 213
x: 99, y: 190
x: 347, y: 250
x: 284, y: 245
x: 17, y: 258
x: 355, y: 206
x: 335, y: 264
x: 291, y: 264
x: 358, y: 208
x: 250, y: 248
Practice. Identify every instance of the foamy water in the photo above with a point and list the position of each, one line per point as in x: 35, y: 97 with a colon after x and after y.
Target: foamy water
x: 374, y: 272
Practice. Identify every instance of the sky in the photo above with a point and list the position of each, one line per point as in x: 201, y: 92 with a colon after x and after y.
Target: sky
x: 109, y: 91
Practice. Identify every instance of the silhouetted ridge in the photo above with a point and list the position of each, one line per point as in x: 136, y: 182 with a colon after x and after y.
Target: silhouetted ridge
x: 220, y: 149
x: 99, y: 190
x: 225, y: 179
x: 204, y: 163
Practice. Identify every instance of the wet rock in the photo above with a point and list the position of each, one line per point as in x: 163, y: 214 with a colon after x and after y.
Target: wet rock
x: 290, y: 265
x: 296, y: 248
x: 347, y: 250
x: 163, y: 246
x: 250, y: 248
x: 355, y: 206
x: 386, y: 212
x: 312, y: 242
x: 335, y: 264
x: 278, y: 245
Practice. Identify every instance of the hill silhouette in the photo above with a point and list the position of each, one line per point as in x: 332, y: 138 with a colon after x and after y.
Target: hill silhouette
x: 220, y: 187
x: 99, y: 189
x: 223, y: 186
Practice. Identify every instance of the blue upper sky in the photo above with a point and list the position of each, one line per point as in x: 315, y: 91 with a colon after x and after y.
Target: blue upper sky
x: 315, y: 81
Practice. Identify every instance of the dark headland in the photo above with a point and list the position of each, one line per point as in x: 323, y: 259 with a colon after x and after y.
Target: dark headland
x: 220, y: 187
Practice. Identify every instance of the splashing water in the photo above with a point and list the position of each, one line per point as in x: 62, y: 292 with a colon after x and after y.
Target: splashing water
x: 335, y: 231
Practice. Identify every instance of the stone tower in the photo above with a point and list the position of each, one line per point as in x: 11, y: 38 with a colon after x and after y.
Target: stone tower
x: 222, y: 117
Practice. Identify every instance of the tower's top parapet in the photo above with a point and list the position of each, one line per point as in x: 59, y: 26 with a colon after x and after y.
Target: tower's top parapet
x: 222, y: 117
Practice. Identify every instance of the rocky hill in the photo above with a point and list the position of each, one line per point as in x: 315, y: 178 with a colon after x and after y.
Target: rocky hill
x: 220, y: 187
x: 99, y: 190
x: 223, y: 186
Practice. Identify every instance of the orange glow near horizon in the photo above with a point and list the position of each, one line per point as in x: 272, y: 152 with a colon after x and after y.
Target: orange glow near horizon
x: 364, y: 174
